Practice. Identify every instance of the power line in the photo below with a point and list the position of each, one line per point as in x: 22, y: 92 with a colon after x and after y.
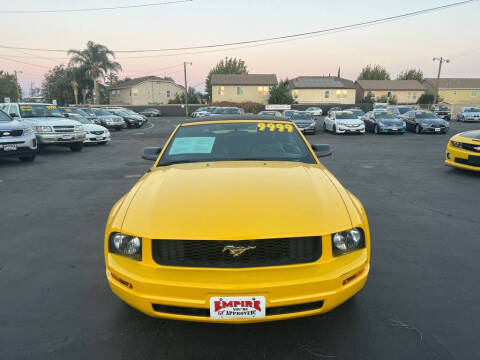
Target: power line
x: 152, y: 70
x: 26, y: 63
x: 464, y: 54
x: 92, y: 9
x: 284, y: 37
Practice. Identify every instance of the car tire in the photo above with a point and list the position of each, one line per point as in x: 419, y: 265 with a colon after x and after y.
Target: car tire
x: 375, y: 130
x: 76, y: 147
x: 138, y: 125
x: 334, y: 129
x: 28, y: 158
x: 418, y: 129
x: 324, y: 127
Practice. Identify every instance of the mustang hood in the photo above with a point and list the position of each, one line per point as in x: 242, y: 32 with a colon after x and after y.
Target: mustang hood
x: 236, y: 200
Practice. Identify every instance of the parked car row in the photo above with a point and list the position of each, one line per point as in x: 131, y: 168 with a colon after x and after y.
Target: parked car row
x: 26, y: 126
x: 217, y: 110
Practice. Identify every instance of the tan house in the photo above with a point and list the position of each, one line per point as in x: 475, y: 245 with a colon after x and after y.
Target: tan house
x: 456, y: 90
x: 322, y: 90
x: 148, y: 90
x: 242, y: 87
x: 406, y: 91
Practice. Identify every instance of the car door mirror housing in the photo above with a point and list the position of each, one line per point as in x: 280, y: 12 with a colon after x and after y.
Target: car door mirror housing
x: 13, y: 115
x: 66, y: 115
x: 151, y: 153
x: 322, y: 150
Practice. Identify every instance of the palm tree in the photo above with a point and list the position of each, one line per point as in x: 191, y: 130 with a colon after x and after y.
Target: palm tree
x: 96, y: 61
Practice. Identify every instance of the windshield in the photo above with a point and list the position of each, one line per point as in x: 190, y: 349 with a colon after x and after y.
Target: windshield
x: 101, y: 112
x: 403, y: 110
x: 425, y: 115
x: 346, y: 115
x: 357, y: 112
x: 79, y: 112
x: 4, y: 117
x: 89, y: 111
x: 231, y: 111
x: 271, y: 113
x: 441, y: 108
x: 260, y: 141
x: 301, y: 116
x: 385, y: 115
x: 218, y: 111
x: 472, y: 110
x: 289, y: 113
x: 38, y: 110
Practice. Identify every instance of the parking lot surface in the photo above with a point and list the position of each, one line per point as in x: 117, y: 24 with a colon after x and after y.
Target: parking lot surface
x: 421, y: 300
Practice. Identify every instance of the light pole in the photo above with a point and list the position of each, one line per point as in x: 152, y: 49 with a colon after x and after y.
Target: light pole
x: 186, y: 87
x: 441, y: 60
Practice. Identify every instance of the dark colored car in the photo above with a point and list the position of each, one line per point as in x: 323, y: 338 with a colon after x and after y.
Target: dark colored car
x: 228, y: 111
x: 90, y: 115
x: 305, y: 121
x: 130, y: 120
x: 423, y: 121
x: 288, y: 113
x: 383, y: 122
x: 151, y: 112
x: 442, y: 111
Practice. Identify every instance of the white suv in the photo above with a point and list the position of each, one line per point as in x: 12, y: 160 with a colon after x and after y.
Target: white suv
x: 50, y: 126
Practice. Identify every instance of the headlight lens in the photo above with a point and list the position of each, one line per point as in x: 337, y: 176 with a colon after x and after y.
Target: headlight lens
x: 347, y: 241
x: 43, y: 129
x: 457, y: 144
x: 27, y: 131
x: 126, y: 245
x: 78, y: 128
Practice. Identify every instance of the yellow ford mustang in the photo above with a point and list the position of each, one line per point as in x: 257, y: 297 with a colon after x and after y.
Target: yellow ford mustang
x: 237, y: 222
x: 463, y: 151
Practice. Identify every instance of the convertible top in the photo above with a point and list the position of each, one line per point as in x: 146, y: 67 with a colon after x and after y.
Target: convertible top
x: 221, y: 117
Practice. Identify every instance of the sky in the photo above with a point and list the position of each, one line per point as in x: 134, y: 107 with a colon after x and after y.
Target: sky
x: 397, y: 45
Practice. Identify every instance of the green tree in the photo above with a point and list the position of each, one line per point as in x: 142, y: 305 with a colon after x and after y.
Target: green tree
x: 280, y: 94
x: 428, y: 99
x: 57, y: 84
x: 374, y: 72
x: 193, y: 97
x: 226, y: 66
x: 96, y: 60
x: 411, y: 74
x: 9, y: 86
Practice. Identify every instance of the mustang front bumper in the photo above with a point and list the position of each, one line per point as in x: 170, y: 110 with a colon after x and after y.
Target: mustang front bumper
x: 186, y: 292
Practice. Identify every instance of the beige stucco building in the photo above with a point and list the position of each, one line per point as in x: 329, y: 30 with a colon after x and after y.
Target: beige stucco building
x: 242, y: 87
x: 322, y: 90
x: 149, y: 90
x: 406, y: 91
x: 456, y: 90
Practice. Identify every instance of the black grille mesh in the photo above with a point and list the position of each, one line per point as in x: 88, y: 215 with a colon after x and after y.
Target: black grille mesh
x: 11, y: 132
x: 211, y: 253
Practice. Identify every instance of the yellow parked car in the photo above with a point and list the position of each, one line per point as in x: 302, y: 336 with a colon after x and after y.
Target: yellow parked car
x: 237, y: 221
x: 463, y: 151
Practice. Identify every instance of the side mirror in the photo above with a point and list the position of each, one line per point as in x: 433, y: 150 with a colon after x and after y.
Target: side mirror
x: 66, y: 115
x: 322, y: 150
x: 12, y: 115
x: 151, y: 153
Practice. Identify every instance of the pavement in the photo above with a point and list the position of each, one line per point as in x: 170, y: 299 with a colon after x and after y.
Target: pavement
x: 421, y: 300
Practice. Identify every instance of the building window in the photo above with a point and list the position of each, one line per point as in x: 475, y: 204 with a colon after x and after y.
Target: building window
x: 327, y: 94
x: 341, y: 93
x: 474, y: 93
x: 371, y: 94
x: 414, y: 95
x: 263, y: 90
x: 135, y: 92
x: 221, y: 90
x: 344, y: 93
x: 239, y: 90
x: 389, y: 94
x: 168, y: 93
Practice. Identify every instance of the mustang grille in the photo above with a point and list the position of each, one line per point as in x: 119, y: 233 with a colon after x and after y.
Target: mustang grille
x: 211, y: 253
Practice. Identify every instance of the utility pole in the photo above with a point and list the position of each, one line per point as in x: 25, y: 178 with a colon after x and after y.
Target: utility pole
x: 19, y: 90
x: 441, y: 60
x: 186, y: 87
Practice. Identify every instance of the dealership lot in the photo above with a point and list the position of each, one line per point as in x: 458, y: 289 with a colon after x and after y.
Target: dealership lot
x: 419, y: 302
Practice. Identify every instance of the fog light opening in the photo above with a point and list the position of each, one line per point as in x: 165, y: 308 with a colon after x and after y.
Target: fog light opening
x: 349, y: 279
x: 121, y: 281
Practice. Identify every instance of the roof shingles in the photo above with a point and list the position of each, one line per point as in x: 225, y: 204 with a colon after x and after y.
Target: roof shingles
x: 136, y: 81
x: 390, y: 85
x: 454, y: 83
x: 320, y: 82
x: 244, y: 79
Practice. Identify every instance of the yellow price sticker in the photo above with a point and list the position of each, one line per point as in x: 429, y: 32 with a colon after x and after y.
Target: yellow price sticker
x: 51, y: 107
x: 274, y: 127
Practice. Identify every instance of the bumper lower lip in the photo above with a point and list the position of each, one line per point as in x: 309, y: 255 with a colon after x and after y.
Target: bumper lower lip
x: 46, y: 139
x: 298, y: 285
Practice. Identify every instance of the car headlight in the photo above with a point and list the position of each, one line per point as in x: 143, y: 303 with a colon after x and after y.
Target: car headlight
x: 126, y: 245
x: 43, y: 129
x: 457, y: 144
x: 424, y: 124
x: 78, y: 128
x: 27, y: 131
x: 347, y: 241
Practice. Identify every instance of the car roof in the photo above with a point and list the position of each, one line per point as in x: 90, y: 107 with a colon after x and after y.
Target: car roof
x: 223, y: 118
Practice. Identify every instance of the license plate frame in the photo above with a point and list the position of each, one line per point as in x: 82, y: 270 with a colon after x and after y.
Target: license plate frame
x: 237, y: 307
x: 438, y: 129
x: 67, y: 137
x: 9, y: 147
